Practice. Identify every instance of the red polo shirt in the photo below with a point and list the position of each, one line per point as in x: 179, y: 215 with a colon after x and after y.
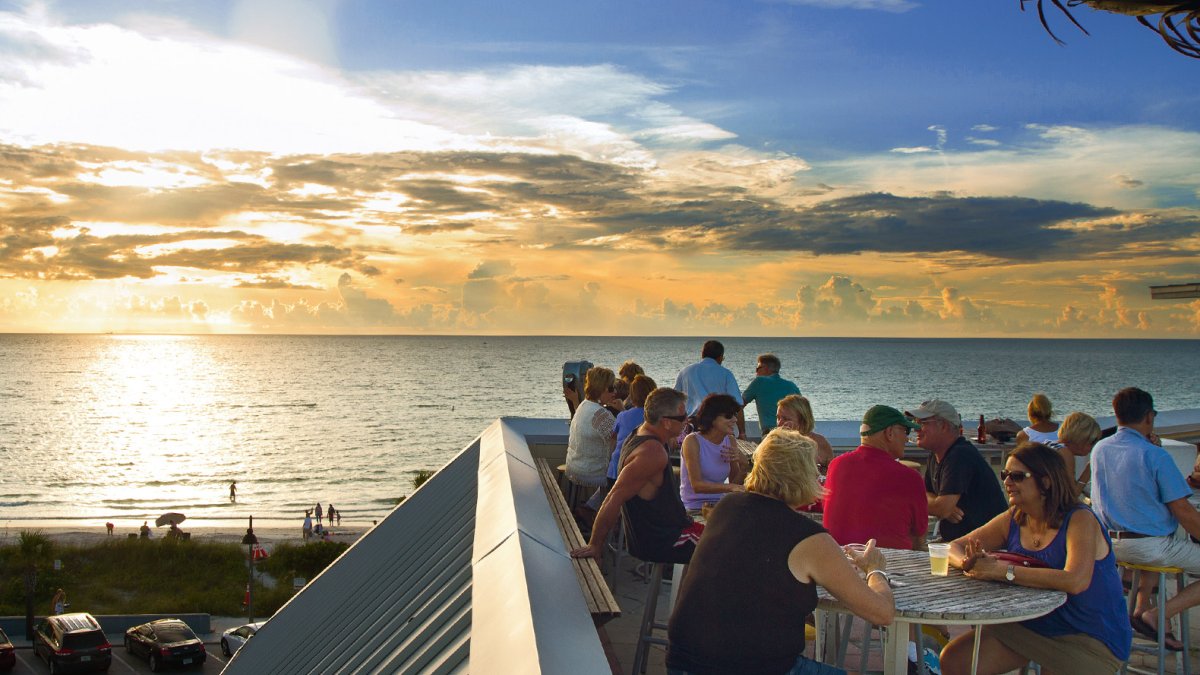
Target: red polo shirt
x: 871, y: 495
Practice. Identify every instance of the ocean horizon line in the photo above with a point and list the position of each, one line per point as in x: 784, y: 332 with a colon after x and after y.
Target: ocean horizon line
x: 698, y: 336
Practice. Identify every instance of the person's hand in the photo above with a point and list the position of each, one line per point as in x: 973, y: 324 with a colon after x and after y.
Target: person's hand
x: 571, y: 395
x: 955, y: 516
x: 868, y: 559
x: 976, y: 561
x: 589, y: 551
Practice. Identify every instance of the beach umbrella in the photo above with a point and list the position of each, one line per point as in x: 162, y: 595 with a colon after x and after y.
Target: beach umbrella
x: 170, y: 519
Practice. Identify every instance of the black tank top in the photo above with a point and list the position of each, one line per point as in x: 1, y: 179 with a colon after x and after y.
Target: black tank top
x: 655, y: 523
x: 740, y: 609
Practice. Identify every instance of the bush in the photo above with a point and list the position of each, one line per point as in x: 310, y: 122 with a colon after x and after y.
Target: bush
x: 139, y: 576
x: 306, y: 560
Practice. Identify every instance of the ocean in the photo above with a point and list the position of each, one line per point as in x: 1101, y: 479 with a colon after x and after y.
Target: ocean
x: 118, y: 428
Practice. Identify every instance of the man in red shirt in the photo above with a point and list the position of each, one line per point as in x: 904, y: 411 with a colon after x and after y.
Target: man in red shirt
x: 871, y: 495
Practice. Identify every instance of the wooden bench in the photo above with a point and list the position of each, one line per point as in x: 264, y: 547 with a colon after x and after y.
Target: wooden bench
x: 600, y: 600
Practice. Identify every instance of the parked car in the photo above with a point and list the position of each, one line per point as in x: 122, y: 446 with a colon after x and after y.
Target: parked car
x: 233, y: 639
x: 72, y: 643
x: 165, y: 642
x: 8, y: 657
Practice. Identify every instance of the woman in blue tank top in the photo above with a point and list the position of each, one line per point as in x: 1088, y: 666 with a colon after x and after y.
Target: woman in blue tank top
x: 1090, y: 633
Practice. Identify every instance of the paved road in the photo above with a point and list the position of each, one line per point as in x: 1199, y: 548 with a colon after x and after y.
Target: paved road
x: 122, y: 663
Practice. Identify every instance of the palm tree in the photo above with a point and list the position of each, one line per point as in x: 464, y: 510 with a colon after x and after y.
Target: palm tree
x: 34, y: 549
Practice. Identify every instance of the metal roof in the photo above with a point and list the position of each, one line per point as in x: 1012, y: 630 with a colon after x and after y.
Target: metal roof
x: 397, y: 601
x: 469, y: 574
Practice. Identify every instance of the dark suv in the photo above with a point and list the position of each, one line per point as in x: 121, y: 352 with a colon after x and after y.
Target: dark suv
x: 72, y: 642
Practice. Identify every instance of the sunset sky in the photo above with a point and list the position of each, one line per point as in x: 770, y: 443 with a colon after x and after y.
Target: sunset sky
x: 674, y: 167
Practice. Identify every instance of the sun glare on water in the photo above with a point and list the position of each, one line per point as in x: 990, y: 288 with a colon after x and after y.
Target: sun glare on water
x: 149, y: 395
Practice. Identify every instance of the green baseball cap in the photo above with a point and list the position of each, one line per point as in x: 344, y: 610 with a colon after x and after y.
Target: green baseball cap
x: 880, y: 417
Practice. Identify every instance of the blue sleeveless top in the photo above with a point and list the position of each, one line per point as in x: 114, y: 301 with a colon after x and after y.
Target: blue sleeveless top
x: 1099, y: 611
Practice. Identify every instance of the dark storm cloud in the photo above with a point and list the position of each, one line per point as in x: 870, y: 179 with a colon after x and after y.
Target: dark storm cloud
x: 1002, y: 227
x: 555, y: 201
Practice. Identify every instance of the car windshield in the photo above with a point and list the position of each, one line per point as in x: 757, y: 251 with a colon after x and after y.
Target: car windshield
x: 84, y: 640
x: 174, y: 632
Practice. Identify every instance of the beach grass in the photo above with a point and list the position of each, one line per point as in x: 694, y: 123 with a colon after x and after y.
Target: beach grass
x: 157, y: 576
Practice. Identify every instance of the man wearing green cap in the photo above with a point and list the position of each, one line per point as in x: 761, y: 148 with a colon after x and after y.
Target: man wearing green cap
x: 869, y: 495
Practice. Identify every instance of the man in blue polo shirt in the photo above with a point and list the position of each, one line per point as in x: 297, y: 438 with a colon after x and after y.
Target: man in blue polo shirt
x: 1141, y: 497
x: 766, y: 389
x: 708, y: 376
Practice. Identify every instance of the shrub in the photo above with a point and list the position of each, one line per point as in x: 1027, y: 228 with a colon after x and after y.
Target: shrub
x: 306, y: 560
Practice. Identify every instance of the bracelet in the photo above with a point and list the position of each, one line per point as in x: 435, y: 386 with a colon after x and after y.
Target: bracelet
x: 886, y: 577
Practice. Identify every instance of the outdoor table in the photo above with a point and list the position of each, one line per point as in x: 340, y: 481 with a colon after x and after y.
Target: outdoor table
x: 922, y: 598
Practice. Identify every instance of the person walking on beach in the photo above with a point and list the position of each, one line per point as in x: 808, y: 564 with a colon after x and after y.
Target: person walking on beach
x: 339, y: 518
x: 306, y: 533
x: 59, y: 602
x: 233, y: 492
x: 319, y: 513
x: 331, y: 512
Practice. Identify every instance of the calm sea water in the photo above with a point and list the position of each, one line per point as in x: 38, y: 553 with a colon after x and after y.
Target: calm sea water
x: 121, y: 428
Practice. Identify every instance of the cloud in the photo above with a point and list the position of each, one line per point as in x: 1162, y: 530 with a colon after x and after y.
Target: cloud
x: 984, y: 128
x: 1127, y: 182
x: 919, y: 149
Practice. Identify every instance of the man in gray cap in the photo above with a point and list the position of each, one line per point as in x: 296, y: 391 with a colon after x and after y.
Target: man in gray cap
x: 961, y: 487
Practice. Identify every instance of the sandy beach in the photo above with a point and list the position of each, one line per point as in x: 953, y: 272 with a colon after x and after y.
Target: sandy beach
x: 87, y: 535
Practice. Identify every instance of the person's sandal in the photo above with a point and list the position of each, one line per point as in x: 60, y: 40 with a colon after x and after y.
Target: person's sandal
x: 1143, y: 628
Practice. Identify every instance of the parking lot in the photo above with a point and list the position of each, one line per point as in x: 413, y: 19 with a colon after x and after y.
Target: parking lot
x: 122, y: 663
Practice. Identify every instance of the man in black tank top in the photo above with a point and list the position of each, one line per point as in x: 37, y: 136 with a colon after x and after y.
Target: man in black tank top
x: 647, y: 489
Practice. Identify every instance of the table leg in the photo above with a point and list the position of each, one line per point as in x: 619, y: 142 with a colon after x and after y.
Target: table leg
x: 975, y: 651
x: 826, y: 644
x: 895, y: 648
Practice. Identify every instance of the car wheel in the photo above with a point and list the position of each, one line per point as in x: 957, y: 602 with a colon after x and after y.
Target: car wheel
x: 128, y: 645
x: 54, y: 669
x: 225, y: 648
x: 155, y: 663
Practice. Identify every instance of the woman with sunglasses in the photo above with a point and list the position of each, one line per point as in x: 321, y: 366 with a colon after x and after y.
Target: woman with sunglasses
x: 1090, y: 633
x: 710, y: 455
x: 590, y: 443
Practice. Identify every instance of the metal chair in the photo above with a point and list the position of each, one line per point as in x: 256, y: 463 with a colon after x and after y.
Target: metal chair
x: 1182, y: 658
x: 650, y: 623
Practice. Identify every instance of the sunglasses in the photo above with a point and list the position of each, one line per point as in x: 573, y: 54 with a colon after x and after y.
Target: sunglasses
x: 1016, y: 476
x: 677, y: 418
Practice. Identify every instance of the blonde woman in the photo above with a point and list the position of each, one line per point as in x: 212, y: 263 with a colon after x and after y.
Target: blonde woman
x: 795, y: 412
x: 754, y: 575
x: 590, y: 443
x: 1040, y: 429
x: 1076, y: 436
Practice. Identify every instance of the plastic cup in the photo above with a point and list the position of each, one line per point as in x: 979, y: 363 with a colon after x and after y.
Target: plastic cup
x: 939, y: 559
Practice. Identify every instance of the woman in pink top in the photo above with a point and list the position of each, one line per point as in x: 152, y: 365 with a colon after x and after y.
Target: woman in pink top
x: 710, y: 455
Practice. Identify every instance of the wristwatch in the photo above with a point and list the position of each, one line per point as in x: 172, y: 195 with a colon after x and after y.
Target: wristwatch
x: 1009, y: 575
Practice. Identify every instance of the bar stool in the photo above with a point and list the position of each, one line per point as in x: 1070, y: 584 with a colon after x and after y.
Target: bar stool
x: 576, y: 492
x: 646, y: 636
x: 1182, y: 659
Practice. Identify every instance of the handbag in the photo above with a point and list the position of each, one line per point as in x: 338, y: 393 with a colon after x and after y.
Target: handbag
x: 1017, y: 559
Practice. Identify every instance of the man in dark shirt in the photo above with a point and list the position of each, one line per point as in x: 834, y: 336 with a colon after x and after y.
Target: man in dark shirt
x: 960, y: 486
x: 647, y: 486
